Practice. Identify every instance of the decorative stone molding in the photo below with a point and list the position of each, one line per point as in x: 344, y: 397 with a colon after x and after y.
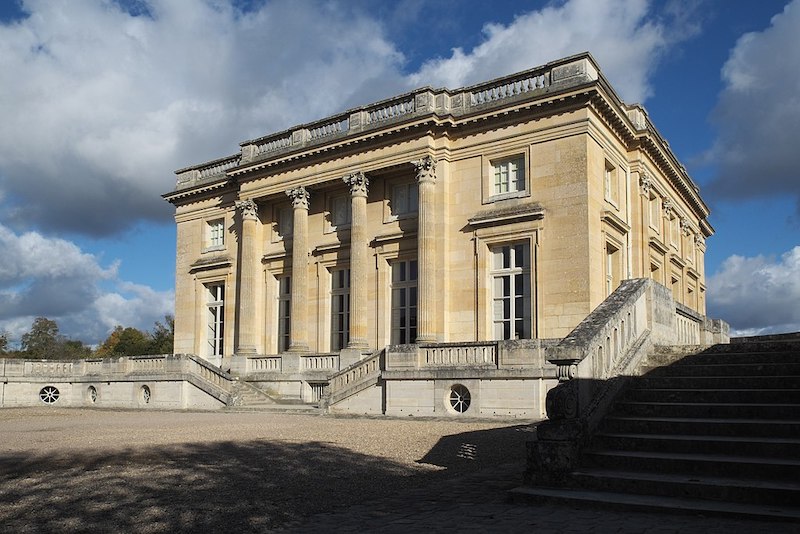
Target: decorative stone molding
x: 699, y: 241
x: 668, y: 207
x: 567, y: 371
x: 685, y: 228
x: 248, y: 208
x: 646, y: 183
x: 358, y: 182
x: 426, y: 169
x: 300, y: 197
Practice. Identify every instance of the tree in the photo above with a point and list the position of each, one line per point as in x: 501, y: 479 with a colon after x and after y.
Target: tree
x: 43, y: 340
x: 3, y: 342
x: 163, y: 336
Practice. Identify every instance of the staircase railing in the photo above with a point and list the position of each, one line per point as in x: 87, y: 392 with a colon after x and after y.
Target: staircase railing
x: 354, y: 378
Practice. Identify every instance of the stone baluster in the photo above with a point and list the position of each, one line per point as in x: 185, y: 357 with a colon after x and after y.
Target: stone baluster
x: 426, y: 250
x: 246, y: 341
x: 358, y: 260
x: 298, y: 341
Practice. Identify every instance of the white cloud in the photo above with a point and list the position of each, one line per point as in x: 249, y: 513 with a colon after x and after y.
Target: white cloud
x: 621, y: 34
x: 100, y: 107
x: 51, y: 277
x: 757, y: 295
x: 758, y: 113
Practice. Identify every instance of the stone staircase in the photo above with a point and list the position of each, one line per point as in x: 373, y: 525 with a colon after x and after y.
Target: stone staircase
x: 251, y: 398
x: 717, y: 432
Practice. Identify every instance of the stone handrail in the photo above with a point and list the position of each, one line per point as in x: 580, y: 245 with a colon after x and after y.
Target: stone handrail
x: 559, y: 75
x: 355, y: 378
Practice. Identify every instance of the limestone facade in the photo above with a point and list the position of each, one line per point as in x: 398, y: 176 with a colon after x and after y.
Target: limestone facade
x: 504, y: 210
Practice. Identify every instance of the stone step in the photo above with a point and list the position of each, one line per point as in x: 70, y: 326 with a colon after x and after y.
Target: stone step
x: 702, y: 426
x: 717, y: 382
x: 300, y: 409
x: 735, y: 490
x: 658, y: 359
x: 768, y: 411
x: 791, y: 396
x: 726, y: 370
x: 733, y: 466
x: 626, y: 501
x: 679, y: 443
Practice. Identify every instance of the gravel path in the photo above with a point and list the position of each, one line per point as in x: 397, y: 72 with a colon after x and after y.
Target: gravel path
x: 74, y: 470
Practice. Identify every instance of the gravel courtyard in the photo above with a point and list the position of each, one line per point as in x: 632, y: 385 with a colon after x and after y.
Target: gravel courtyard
x: 91, y: 470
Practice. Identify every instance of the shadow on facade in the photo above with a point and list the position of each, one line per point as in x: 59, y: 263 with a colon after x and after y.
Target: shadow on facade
x: 220, y: 487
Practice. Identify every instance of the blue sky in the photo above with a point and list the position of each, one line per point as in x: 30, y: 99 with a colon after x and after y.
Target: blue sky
x: 102, y: 100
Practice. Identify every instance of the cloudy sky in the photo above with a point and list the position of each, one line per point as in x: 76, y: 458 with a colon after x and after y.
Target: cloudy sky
x: 101, y: 100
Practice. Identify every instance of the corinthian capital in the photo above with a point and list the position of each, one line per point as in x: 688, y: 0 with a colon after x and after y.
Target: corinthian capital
x: 358, y: 183
x: 248, y: 208
x: 645, y: 182
x: 299, y: 196
x: 426, y: 169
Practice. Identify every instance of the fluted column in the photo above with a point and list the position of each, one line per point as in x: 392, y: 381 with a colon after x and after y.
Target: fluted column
x: 358, y: 260
x: 298, y: 340
x: 426, y: 250
x: 248, y: 276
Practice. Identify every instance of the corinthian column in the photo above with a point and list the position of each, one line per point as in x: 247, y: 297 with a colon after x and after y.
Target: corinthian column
x: 358, y: 260
x: 298, y: 341
x: 248, y: 275
x: 426, y: 249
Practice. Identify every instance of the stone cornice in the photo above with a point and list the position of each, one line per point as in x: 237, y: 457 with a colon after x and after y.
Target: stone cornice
x: 506, y: 215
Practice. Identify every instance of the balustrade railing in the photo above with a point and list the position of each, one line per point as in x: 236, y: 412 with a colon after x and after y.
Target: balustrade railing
x: 273, y: 144
x: 443, y: 355
x: 357, y: 373
x: 218, y: 167
x: 688, y: 329
x: 391, y: 110
x: 508, y: 88
x: 265, y: 364
x: 320, y: 362
x: 328, y: 129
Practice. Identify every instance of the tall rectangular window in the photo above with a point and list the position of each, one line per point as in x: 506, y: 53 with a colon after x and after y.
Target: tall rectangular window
x: 340, y: 308
x: 339, y: 208
x: 612, y: 268
x: 284, y: 312
x: 404, y: 302
x: 511, y: 283
x: 509, y: 175
x: 215, y: 305
x: 405, y: 199
x: 610, y: 183
x: 216, y: 233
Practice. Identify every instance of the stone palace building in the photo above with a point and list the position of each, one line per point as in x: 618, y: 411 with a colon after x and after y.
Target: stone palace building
x: 437, y: 242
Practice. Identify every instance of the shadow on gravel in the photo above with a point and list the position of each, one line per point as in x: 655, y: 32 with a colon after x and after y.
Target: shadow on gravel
x: 231, y: 487
x: 481, y: 448
x: 221, y: 486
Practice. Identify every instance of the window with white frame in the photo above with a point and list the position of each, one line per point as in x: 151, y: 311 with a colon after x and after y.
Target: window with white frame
x: 340, y: 308
x: 511, y: 287
x: 339, y: 207
x: 405, y: 199
x: 612, y: 268
x: 284, y: 312
x: 509, y: 175
x: 215, y: 306
x: 404, y: 302
x: 216, y: 233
